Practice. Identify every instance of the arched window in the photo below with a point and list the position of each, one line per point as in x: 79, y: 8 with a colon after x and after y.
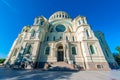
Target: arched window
x: 82, y: 21
x: 73, y: 50
x: 73, y: 38
x: 49, y: 27
x: 60, y: 15
x: 26, y: 30
x: 66, y: 38
x: 60, y: 37
x: 63, y: 15
x: 42, y: 23
x: 47, y: 38
x: 47, y: 50
x: 87, y: 33
x: 28, y: 49
x: 57, y: 16
x: 92, y: 49
x: 54, y: 38
x: 33, y: 33
x: 79, y: 22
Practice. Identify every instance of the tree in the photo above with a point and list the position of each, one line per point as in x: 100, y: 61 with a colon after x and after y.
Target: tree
x: 2, y: 60
x: 118, y: 49
x: 117, y: 58
x: 117, y: 55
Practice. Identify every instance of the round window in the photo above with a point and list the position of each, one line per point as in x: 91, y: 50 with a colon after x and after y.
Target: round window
x: 60, y: 28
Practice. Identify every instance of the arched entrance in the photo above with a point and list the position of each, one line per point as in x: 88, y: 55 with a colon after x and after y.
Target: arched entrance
x: 60, y: 53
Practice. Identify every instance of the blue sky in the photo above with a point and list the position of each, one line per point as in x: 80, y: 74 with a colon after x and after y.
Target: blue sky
x: 102, y: 15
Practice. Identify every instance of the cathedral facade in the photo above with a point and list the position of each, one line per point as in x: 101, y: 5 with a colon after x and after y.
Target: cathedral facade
x: 61, y: 40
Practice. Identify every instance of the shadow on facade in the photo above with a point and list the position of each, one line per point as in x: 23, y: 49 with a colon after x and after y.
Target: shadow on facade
x: 43, y: 64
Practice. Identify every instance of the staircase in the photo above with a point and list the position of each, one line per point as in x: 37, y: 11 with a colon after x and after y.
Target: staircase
x: 61, y: 66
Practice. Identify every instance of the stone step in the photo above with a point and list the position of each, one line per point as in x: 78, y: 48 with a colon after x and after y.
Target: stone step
x: 63, y: 65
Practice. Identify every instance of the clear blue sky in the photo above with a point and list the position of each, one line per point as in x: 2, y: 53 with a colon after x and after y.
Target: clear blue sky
x: 102, y: 15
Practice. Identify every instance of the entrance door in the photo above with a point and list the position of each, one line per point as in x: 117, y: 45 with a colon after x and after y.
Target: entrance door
x: 60, y: 56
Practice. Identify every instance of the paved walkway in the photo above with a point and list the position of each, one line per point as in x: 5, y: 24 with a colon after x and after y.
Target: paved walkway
x: 6, y: 74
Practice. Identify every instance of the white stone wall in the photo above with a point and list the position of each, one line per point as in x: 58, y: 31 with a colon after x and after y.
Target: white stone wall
x: 43, y: 28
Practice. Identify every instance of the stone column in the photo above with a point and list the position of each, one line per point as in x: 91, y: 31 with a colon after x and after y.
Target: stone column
x: 51, y: 51
x: 54, y: 55
x: 65, y: 55
x: 85, y: 52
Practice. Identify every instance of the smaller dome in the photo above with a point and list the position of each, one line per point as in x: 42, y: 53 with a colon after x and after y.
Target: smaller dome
x: 60, y: 15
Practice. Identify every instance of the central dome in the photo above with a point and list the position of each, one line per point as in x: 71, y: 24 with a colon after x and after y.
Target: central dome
x: 60, y: 15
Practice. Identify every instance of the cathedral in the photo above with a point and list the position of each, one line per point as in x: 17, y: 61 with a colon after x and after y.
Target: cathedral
x: 60, y: 41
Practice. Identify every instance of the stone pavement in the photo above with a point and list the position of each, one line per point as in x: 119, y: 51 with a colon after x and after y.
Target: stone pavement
x: 8, y: 74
